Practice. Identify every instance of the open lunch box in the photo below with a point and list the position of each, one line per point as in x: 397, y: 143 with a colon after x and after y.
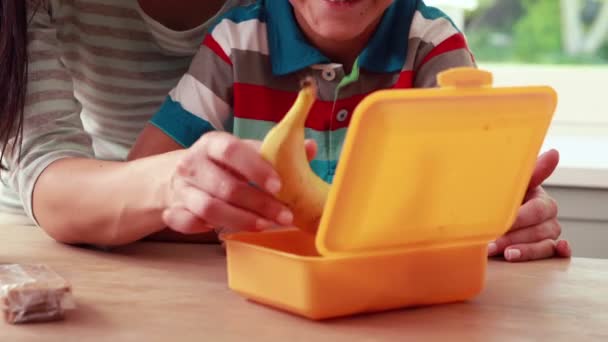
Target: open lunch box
x: 426, y: 178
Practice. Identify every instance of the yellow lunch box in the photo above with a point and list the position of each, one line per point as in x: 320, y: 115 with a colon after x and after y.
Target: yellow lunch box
x: 426, y: 178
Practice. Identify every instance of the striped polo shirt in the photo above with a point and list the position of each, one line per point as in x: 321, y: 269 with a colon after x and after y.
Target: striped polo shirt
x: 247, y: 73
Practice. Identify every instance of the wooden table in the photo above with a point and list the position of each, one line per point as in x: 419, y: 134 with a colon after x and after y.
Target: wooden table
x: 170, y: 292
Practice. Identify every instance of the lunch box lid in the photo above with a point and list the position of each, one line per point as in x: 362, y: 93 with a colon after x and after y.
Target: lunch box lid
x: 432, y: 168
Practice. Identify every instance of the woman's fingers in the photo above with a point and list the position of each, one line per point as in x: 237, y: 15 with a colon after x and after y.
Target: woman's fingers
x: 243, y: 159
x: 182, y: 220
x: 225, y: 186
x: 218, y: 213
x: 211, y: 187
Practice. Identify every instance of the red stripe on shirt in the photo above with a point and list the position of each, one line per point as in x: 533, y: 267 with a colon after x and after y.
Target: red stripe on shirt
x: 261, y: 103
x: 455, y: 42
x: 216, y: 48
x: 405, y: 80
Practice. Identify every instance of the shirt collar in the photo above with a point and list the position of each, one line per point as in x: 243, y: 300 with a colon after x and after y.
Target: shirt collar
x: 290, y: 51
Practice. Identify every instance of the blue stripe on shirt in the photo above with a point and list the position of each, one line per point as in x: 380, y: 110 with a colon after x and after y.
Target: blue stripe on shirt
x: 178, y: 123
x: 325, y: 169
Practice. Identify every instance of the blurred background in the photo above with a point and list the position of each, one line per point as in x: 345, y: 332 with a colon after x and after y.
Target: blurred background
x: 564, y: 44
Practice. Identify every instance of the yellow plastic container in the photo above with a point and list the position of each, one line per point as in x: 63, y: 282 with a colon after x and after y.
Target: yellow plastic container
x: 427, y: 177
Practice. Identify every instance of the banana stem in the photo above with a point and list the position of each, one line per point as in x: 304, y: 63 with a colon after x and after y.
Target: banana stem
x: 304, y: 102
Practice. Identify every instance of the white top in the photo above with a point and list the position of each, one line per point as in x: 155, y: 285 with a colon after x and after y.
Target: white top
x: 98, y: 70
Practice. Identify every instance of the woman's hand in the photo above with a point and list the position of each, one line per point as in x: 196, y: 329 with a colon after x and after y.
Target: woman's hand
x: 211, y: 187
x: 536, y: 230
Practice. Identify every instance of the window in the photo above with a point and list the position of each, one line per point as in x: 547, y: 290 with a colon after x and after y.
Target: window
x: 561, y: 43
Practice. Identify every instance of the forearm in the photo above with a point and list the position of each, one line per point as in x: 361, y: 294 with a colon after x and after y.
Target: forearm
x: 100, y: 202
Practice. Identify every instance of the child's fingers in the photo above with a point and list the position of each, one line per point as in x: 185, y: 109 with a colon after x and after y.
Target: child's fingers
x: 311, y: 149
x: 538, y: 209
x: 531, y: 251
x: 223, y: 185
x: 545, y: 165
x: 562, y: 249
x: 243, y: 159
x: 550, y: 229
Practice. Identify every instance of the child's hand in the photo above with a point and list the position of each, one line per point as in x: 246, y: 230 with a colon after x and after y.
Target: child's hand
x: 210, y: 187
x: 535, y: 233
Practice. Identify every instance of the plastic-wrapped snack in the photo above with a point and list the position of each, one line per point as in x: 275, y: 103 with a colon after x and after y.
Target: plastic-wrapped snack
x: 33, y: 293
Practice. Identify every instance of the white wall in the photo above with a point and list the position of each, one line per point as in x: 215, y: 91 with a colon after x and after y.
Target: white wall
x: 455, y: 9
x: 580, y: 125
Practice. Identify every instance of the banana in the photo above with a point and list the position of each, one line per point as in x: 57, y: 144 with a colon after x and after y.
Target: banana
x: 302, y: 190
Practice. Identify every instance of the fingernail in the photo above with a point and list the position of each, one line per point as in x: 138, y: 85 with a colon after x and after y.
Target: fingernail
x: 273, y: 185
x: 512, y: 254
x: 492, y: 248
x: 285, y: 217
x: 262, y: 224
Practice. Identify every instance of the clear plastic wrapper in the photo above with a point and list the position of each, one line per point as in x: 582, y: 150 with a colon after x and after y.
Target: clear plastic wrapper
x: 33, y: 293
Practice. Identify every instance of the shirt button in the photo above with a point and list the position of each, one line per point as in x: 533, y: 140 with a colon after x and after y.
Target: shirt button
x: 329, y: 74
x: 342, y: 115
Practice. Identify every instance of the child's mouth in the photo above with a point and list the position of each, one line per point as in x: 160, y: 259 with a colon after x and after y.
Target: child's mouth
x: 342, y: 2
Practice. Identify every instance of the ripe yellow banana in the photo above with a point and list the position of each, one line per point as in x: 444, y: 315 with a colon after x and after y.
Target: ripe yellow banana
x: 302, y: 190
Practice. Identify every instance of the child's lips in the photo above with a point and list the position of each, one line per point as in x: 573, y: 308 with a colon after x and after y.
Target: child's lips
x: 342, y: 3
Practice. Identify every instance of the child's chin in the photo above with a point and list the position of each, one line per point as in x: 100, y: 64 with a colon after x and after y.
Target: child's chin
x: 338, y: 35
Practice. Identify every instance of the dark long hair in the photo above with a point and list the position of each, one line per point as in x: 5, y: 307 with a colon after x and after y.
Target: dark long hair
x: 13, y: 72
